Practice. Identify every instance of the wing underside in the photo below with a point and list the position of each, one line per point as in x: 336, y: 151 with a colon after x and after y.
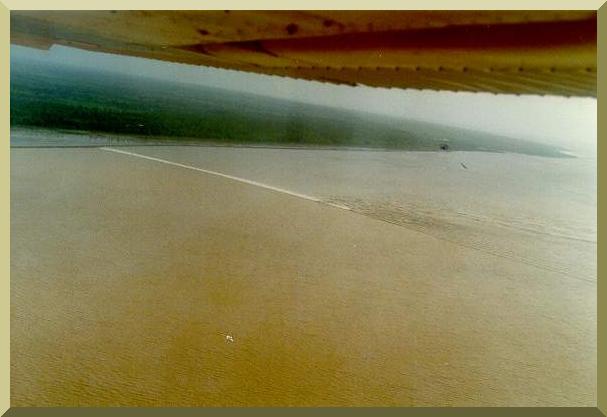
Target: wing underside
x: 516, y: 52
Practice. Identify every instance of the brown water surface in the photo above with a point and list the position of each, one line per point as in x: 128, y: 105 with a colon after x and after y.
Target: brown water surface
x: 443, y: 286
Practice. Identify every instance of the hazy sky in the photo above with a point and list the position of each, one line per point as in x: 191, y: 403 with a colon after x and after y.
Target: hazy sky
x: 569, y: 122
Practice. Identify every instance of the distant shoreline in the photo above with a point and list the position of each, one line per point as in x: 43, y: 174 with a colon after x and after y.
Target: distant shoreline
x: 148, y: 110
x: 130, y: 140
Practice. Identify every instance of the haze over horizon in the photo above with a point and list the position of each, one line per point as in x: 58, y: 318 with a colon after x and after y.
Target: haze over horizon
x: 567, y: 122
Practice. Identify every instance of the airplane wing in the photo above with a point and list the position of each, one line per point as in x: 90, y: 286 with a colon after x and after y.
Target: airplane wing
x: 516, y: 52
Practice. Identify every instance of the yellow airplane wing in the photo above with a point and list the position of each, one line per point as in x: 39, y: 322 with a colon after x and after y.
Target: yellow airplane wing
x: 519, y: 52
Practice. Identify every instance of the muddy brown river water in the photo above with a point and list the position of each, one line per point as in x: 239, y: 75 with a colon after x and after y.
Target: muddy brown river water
x: 440, y: 286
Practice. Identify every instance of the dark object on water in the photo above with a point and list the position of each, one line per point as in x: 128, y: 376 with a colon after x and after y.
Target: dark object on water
x: 463, y: 165
x: 444, y: 147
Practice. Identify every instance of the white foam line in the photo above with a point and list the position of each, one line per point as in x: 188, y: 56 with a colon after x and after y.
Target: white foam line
x: 231, y: 177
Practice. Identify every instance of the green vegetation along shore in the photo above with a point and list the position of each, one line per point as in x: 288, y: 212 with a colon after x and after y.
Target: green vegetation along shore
x: 62, y: 97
